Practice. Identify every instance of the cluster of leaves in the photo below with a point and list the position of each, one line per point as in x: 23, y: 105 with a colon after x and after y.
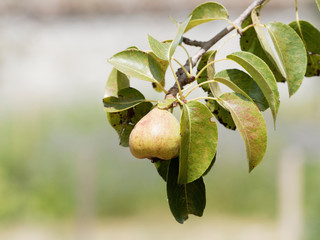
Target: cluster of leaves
x: 252, y: 92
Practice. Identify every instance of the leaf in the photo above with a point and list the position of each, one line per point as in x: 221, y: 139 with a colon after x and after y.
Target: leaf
x: 118, y: 120
x: 174, y: 21
x: 160, y: 49
x: 116, y: 81
x: 204, y: 75
x: 164, y: 66
x: 292, y: 53
x: 214, y: 86
x: 232, y: 86
x: 250, y: 42
x: 250, y: 124
x: 207, y: 12
x: 262, y: 75
x: 127, y: 98
x: 309, y: 34
x: 313, y: 68
x: 247, y: 84
x: 318, y: 4
x: 184, y: 199
x: 211, y: 165
x: 177, y: 40
x: 255, y: 16
x: 138, y: 64
x: 199, y: 136
x: 310, y: 37
x: 167, y: 103
x: 124, y: 121
x: 162, y: 167
x: 211, y: 71
x: 221, y: 114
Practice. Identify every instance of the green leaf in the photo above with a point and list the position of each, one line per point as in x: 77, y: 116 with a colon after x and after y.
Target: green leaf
x: 250, y: 124
x: 116, y: 81
x: 162, y: 167
x: 214, y: 86
x: 313, y: 68
x: 124, y: 121
x: 174, y: 21
x: 184, y: 199
x: 262, y: 75
x: 118, y: 120
x: 232, y: 86
x: 292, y: 53
x: 211, y: 71
x: 221, y: 114
x: 211, y: 165
x: 250, y: 42
x: 207, y: 12
x: 310, y: 37
x: 164, y: 66
x: 255, y: 15
x: 177, y: 40
x: 138, y: 64
x: 247, y: 84
x: 160, y: 49
x: 204, y: 75
x: 127, y: 98
x: 167, y: 103
x: 133, y: 47
x: 199, y: 136
x: 318, y: 4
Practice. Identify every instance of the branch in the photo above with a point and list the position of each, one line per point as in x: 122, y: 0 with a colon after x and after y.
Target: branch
x: 205, y: 46
x: 194, y: 43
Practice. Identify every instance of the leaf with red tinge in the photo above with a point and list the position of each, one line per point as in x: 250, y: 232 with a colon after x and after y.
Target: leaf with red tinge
x: 199, y: 137
x: 222, y: 114
x: 262, y: 75
x: 250, y: 124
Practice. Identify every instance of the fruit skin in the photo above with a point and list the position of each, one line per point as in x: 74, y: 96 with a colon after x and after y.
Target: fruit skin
x: 156, y: 135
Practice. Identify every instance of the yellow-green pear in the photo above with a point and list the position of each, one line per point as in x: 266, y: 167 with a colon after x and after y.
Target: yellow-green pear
x: 156, y: 135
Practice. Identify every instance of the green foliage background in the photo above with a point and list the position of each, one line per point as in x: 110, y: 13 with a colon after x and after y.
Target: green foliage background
x: 39, y: 161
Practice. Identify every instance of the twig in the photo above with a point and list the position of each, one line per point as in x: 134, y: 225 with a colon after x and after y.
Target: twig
x: 205, y: 46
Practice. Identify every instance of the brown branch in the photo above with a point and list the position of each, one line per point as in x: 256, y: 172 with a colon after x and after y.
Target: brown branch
x: 205, y: 46
x: 190, y: 42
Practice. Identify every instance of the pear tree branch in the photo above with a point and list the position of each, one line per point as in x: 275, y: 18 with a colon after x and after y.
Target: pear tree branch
x: 206, y: 45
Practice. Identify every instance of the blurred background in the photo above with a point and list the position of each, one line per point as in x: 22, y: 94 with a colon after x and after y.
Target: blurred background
x: 63, y: 174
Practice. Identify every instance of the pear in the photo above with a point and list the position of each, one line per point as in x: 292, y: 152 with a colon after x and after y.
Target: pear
x: 156, y: 136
